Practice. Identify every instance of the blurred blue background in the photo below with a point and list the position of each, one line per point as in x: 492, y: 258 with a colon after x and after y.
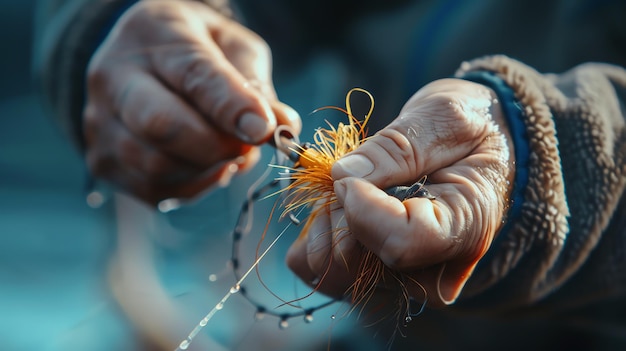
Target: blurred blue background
x: 55, y: 250
x: 53, y: 247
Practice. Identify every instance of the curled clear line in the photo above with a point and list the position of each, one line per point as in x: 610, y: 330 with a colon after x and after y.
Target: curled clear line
x: 185, y: 343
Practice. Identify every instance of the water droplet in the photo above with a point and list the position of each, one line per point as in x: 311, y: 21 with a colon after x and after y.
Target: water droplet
x: 212, y: 277
x: 169, y: 205
x: 235, y: 289
x: 259, y: 315
x: 232, y: 168
x: 95, y: 199
x: 219, y: 306
x: 284, y: 324
x: 184, y: 344
x: 204, y: 321
x: 333, y: 317
x: 308, y: 318
x: 408, y: 319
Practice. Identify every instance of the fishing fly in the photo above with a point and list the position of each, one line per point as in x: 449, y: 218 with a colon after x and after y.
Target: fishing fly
x: 305, y: 180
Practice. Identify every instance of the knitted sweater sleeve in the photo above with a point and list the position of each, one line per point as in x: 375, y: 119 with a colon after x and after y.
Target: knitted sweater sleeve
x: 568, y: 244
x: 68, y: 32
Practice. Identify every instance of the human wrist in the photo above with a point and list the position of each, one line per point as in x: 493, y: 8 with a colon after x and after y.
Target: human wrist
x: 507, y: 114
x: 501, y: 123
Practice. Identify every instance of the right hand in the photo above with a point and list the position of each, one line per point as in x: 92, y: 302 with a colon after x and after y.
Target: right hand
x: 453, y: 131
x: 178, y: 97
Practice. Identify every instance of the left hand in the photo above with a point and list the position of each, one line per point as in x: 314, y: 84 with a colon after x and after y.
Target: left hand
x: 178, y: 99
x: 451, y: 130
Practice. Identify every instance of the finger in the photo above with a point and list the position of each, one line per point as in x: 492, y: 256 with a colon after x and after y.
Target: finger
x: 297, y: 261
x: 432, y: 131
x: 311, y: 256
x: 344, y: 244
x: 218, y: 90
x: 251, y: 56
x: 248, y: 160
x: 457, y: 228
x: 459, y: 224
x: 319, y: 244
x: 335, y: 275
x: 285, y: 115
x: 404, y: 235
x: 154, y: 114
x: 110, y: 144
x: 153, y: 194
x: 140, y: 169
x: 412, y: 235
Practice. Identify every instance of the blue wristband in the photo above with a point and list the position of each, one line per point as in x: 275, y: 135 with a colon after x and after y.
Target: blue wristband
x: 514, y: 116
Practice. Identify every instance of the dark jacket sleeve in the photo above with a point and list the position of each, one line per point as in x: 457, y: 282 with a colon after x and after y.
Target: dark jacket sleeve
x: 568, y: 245
x: 68, y: 32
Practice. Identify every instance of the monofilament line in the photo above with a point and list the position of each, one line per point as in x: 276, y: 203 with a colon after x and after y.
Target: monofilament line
x: 234, y: 289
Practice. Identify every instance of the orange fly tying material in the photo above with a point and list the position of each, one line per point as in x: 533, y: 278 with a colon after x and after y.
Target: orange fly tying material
x: 311, y: 183
x: 310, y: 177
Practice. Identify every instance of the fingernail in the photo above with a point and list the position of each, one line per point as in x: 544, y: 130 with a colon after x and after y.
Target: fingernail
x: 356, y: 165
x: 340, y: 189
x: 343, y: 239
x: 251, y: 128
x: 293, y: 117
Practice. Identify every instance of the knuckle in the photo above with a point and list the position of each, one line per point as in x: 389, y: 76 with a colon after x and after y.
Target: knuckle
x: 159, y: 126
x: 239, y: 38
x: 291, y: 259
x: 460, y: 112
x: 445, y: 109
x: 258, y: 45
x: 100, y: 161
x: 156, y: 166
x: 198, y: 76
x: 93, y: 162
x: 99, y: 164
x: 146, y: 11
x: 396, y: 254
x: 97, y: 73
x: 92, y: 121
x: 398, y: 148
x: 412, y: 249
x: 129, y: 151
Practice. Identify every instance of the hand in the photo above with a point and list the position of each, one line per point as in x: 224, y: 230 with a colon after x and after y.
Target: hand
x: 451, y: 130
x: 178, y: 96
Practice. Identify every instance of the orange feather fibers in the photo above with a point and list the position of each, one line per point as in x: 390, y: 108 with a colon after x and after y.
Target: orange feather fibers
x: 311, y: 183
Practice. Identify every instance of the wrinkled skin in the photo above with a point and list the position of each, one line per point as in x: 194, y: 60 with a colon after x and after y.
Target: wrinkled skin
x: 451, y: 130
x: 178, y: 98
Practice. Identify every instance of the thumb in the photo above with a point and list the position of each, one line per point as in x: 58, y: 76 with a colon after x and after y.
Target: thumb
x: 441, y: 124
